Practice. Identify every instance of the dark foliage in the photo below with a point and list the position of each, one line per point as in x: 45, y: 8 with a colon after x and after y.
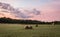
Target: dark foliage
x: 15, y: 21
x: 36, y: 25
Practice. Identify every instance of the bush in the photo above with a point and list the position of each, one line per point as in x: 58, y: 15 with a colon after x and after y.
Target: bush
x: 36, y: 25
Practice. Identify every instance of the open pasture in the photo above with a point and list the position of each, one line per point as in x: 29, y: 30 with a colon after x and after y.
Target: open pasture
x: 18, y: 30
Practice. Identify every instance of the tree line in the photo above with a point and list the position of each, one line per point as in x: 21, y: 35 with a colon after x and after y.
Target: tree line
x: 16, y: 21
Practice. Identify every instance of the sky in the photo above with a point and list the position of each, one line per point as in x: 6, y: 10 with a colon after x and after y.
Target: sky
x: 29, y: 9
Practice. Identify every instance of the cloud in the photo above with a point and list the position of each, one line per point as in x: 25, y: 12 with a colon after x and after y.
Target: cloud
x: 33, y: 11
x: 7, y: 8
x: 36, y: 12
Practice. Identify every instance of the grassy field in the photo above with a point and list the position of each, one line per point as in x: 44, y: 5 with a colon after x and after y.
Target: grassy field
x: 17, y: 30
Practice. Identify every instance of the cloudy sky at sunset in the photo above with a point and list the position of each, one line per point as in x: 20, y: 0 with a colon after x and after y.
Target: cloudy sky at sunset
x: 42, y: 10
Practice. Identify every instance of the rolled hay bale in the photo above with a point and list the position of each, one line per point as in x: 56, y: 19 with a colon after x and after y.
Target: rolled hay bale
x: 28, y: 27
x: 53, y: 24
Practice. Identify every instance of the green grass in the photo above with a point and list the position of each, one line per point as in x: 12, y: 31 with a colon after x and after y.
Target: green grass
x: 16, y: 30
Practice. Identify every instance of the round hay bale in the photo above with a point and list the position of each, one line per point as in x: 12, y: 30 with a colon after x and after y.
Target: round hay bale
x: 28, y: 27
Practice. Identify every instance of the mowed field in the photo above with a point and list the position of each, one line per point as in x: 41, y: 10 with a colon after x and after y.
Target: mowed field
x: 18, y: 30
